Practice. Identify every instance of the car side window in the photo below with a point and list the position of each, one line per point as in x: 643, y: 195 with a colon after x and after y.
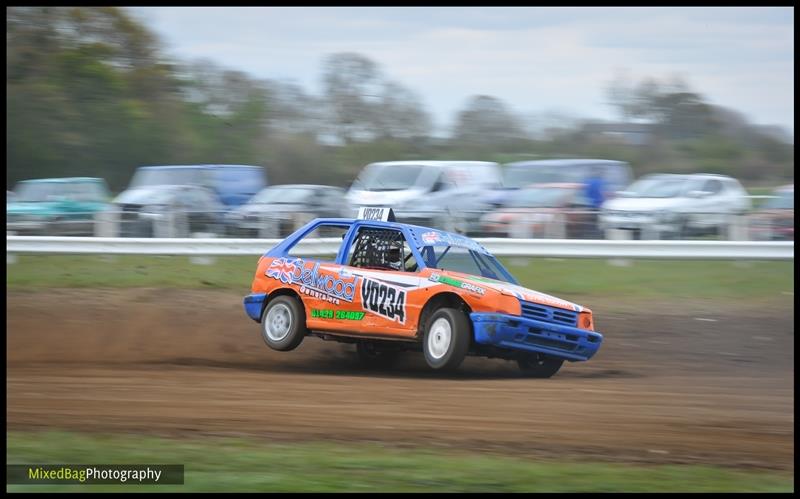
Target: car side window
x: 325, y: 199
x: 334, y: 198
x: 194, y: 200
x: 443, y: 184
x: 712, y: 186
x: 209, y: 201
x: 307, y: 248
x: 381, y: 249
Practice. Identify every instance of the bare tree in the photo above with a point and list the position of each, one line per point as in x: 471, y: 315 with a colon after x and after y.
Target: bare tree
x: 487, y: 120
x: 400, y: 113
x: 293, y: 111
x: 352, y: 86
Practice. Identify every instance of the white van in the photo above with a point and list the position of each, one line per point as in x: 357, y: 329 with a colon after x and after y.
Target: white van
x: 441, y: 194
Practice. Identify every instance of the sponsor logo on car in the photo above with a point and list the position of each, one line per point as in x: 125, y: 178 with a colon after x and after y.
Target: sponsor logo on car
x: 468, y: 286
x: 313, y: 280
x: 430, y: 237
x: 348, y: 315
x: 384, y: 300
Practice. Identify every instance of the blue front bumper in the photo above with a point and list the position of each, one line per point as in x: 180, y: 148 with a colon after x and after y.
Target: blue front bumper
x: 254, y: 305
x: 520, y: 333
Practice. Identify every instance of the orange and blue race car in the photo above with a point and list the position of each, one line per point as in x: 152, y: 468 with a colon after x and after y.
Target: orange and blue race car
x: 394, y: 287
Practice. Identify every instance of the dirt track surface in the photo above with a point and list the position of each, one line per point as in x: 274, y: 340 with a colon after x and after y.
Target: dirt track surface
x: 665, y: 386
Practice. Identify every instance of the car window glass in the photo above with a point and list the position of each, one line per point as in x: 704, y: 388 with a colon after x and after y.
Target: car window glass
x: 84, y: 191
x: 193, y: 199
x: 335, y: 197
x: 442, y: 184
x: 381, y: 249
x: 659, y: 187
x: 782, y: 200
x: 306, y: 246
x: 712, y: 186
x: 208, y: 200
x: 580, y: 200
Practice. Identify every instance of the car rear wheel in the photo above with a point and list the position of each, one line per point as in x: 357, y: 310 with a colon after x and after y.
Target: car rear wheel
x: 446, y: 339
x: 283, y: 325
x: 539, y: 366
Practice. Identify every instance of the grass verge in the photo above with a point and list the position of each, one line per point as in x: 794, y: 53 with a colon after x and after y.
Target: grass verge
x: 567, y: 277
x: 234, y: 464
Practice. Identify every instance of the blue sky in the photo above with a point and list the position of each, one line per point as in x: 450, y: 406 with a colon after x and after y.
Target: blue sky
x: 539, y: 60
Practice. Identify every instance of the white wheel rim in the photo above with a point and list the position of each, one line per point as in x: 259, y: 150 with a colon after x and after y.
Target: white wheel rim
x: 439, y: 338
x: 278, y: 322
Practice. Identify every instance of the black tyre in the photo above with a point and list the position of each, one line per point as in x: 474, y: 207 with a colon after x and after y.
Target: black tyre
x: 447, y: 339
x: 283, y: 325
x: 372, y: 355
x: 539, y: 366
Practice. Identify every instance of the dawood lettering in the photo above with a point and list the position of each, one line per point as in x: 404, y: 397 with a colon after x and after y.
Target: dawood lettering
x: 391, y: 287
x: 313, y: 280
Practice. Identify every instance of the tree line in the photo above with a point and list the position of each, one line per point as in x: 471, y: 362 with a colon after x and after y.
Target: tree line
x: 89, y: 92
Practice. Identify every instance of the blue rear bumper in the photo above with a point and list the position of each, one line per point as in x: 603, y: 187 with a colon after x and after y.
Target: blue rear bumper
x: 519, y: 333
x: 254, y: 305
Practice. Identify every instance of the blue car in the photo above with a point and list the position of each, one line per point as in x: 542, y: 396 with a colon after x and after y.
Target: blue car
x: 57, y: 206
x: 393, y: 286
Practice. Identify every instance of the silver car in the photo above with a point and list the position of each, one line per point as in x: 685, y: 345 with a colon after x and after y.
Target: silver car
x: 677, y: 206
x: 279, y: 210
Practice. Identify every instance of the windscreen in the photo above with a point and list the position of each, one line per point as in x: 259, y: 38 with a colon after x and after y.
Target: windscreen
x: 151, y: 195
x: 783, y: 201
x: 50, y: 191
x: 518, y: 176
x: 658, y: 187
x: 283, y: 195
x: 384, y: 177
x: 538, y: 197
x: 167, y: 176
x: 466, y: 261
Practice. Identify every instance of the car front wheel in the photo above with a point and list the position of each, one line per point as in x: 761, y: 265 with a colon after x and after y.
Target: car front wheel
x: 447, y: 339
x: 283, y: 325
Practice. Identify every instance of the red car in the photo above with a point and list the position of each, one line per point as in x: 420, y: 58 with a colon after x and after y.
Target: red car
x: 552, y: 210
x: 774, y: 220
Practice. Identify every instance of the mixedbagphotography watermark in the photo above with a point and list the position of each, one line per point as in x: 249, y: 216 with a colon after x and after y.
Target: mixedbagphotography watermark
x: 94, y: 474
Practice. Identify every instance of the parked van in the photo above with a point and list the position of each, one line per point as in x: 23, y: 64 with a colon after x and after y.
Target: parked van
x: 442, y: 194
x: 234, y: 184
x: 617, y: 174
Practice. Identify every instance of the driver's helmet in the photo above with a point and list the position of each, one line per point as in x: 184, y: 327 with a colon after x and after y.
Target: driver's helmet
x: 394, y: 257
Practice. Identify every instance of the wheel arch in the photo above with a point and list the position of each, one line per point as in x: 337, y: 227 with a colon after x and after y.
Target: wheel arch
x: 439, y: 300
x: 281, y: 292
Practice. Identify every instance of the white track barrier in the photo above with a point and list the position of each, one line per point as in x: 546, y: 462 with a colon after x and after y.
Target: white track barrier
x: 553, y: 248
